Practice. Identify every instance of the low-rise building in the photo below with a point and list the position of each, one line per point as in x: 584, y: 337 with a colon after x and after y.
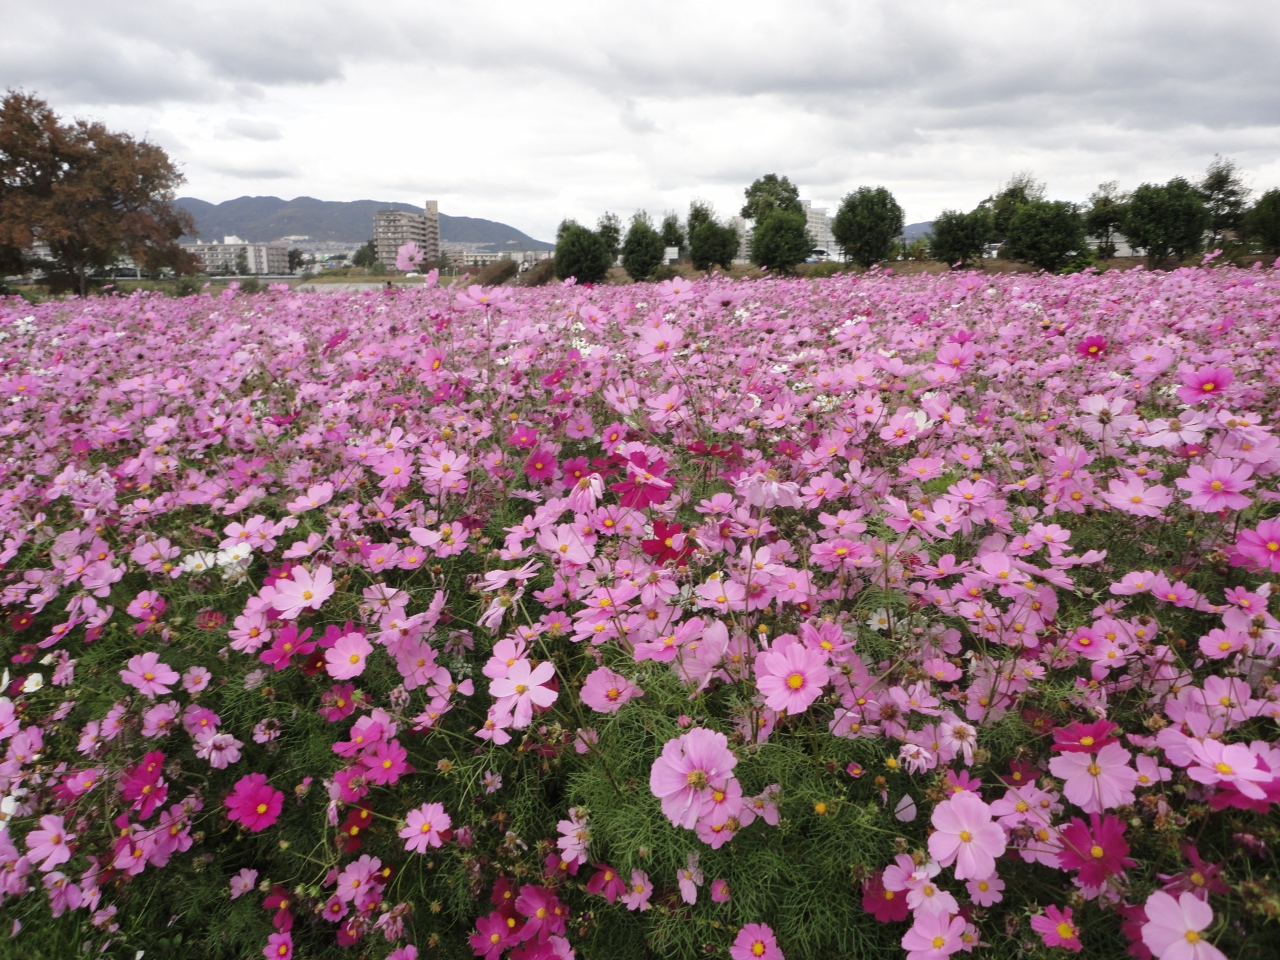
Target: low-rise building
x: 239, y: 257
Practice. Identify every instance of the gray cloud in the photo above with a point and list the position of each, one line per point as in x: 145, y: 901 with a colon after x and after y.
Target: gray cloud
x: 242, y: 129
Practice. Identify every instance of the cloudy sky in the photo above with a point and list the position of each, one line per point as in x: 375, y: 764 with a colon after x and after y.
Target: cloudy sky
x: 532, y: 111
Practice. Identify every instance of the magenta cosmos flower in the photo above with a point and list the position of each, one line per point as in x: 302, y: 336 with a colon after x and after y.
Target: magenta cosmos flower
x: 254, y: 802
x: 151, y: 677
x: 1098, y: 850
x: 1217, y: 488
x: 1205, y: 382
x: 303, y: 591
x: 755, y: 941
x: 690, y: 769
x: 966, y: 836
x: 424, y: 826
x: 792, y: 678
x: 1056, y: 929
x: 1174, y: 928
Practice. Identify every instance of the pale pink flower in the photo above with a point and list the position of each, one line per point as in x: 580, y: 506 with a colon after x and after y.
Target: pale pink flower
x: 690, y: 768
x: 346, y: 658
x: 424, y: 826
x: 522, y: 689
x: 49, y: 842
x: 1096, y: 782
x: 151, y: 677
x: 1173, y: 929
x: 966, y: 836
x: 933, y: 936
x: 792, y: 678
x: 303, y: 591
x: 1217, y: 488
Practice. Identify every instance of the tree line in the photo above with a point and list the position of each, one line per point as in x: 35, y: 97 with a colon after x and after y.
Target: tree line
x: 1165, y: 221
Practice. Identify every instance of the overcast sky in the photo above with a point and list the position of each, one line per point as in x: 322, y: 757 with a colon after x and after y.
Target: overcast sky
x: 533, y: 111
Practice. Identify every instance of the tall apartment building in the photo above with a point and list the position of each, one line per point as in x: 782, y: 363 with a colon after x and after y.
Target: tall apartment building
x: 392, y: 229
x: 819, y: 226
x: 236, y: 256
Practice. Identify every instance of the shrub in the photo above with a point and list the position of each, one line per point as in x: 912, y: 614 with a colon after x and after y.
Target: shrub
x: 492, y: 274
x: 539, y: 275
x: 583, y: 254
x: 960, y: 238
x: 643, y: 249
x: 867, y: 225
x: 1046, y: 234
x: 1166, y: 220
x: 780, y: 241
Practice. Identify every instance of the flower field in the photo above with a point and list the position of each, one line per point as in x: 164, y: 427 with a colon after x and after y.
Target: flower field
x: 862, y: 617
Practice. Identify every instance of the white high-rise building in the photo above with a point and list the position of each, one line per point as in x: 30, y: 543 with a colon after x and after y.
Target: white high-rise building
x: 819, y: 226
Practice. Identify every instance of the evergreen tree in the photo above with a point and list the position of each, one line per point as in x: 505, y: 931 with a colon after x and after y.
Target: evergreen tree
x: 672, y: 235
x: 780, y: 241
x: 712, y: 244
x: 610, y: 229
x: 1103, y: 219
x: 1022, y: 188
x: 1167, y: 220
x: 768, y: 194
x: 642, y: 252
x: 366, y: 256
x: 959, y: 238
x: 700, y: 212
x: 1262, y: 222
x: 1046, y: 234
x: 1225, y: 196
x: 867, y: 225
x: 581, y: 253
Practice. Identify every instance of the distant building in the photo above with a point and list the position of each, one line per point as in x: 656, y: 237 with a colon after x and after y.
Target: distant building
x: 392, y: 229
x: 819, y: 227
x: 236, y: 256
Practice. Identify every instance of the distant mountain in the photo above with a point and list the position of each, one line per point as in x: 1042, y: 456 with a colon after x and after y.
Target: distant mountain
x: 261, y: 219
x: 914, y: 231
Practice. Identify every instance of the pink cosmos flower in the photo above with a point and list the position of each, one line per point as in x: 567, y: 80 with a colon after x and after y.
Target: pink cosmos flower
x: 690, y: 768
x: 522, y: 689
x: 690, y: 879
x: 1134, y: 497
x: 1262, y: 545
x: 346, y: 658
x: 606, y: 692
x: 755, y: 941
x: 303, y: 590
x: 424, y: 826
x: 639, y: 890
x: 1173, y: 929
x: 151, y: 677
x: 49, y: 843
x: 1233, y: 764
x: 1205, y: 382
x: 792, y: 678
x: 1096, y: 782
x: 243, y: 882
x: 279, y: 946
x: 966, y: 836
x: 1057, y: 929
x: 1217, y: 488
x: 720, y: 891
x: 254, y: 802
x: 933, y: 936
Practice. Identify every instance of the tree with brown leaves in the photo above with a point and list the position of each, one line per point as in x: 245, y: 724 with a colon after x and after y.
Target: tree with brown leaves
x: 90, y: 195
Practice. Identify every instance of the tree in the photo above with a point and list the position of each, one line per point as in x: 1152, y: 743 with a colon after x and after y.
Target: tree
x: 366, y: 256
x: 296, y: 259
x: 642, y: 252
x: 609, y: 227
x: 581, y: 253
x: 700, y: 212
x: 1262, y: 222
x: 672, y: 235
x: 1046, y: 234
x: 1167, y: 220
x: 1022, y: 188
x: 712, y: 244
x: 780, y: 241
x: 960, y: 237
x: 88, y: 194
x: 242, y: 262
x: 768, y: 194
x: 1105, y: 216
x: 867, y: 225
x: 1225, y: 195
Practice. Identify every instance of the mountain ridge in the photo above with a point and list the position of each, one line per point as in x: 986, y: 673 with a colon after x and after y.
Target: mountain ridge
x: 263, y: 219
